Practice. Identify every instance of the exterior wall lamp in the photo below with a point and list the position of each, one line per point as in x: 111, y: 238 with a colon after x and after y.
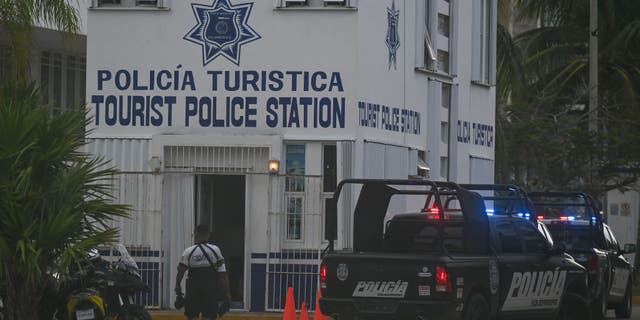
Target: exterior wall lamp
x: 274, y: 166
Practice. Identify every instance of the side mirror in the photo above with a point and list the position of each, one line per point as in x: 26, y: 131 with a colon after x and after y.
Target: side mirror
x: 629, y: 248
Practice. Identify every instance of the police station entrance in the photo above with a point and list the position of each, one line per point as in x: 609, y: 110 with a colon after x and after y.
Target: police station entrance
x: 220, y: 203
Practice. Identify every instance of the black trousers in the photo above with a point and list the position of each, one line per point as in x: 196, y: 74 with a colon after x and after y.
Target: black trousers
x: 202, y: 293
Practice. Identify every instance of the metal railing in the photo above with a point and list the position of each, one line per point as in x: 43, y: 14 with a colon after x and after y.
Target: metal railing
x: 296, y: 221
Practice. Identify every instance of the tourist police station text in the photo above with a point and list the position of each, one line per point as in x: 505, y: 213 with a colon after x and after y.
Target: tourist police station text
x: 309, y: 110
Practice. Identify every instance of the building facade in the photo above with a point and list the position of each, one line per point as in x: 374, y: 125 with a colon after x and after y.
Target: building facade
x: 245, y: 114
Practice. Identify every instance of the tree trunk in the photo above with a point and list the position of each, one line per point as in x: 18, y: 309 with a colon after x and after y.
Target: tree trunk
x: 23, y: 298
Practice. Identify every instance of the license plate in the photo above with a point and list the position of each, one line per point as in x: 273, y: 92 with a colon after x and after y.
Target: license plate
x: 85, y: 314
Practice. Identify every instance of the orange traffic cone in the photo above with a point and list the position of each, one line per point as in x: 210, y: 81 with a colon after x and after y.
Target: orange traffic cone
x: 318, y: 315
x: 289, y: 306
x: 304, y: 315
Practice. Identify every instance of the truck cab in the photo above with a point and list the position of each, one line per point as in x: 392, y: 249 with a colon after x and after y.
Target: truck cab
x: 575, y: 223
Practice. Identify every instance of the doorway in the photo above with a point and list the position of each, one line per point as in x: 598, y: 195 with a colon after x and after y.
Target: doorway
x: 220, y: 203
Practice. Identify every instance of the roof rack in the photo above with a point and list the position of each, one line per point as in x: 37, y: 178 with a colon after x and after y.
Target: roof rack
x: 515, y: 198
x: 563, y: 199
x: 374, y: 198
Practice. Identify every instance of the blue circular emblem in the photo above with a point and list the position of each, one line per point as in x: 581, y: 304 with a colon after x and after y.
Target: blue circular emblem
x: 342, y: 273
x: 221, y: 27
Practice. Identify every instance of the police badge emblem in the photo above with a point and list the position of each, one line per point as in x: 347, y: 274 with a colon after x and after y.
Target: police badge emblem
x: 221, y: 30
x: 342, y: 273
x: 393, y: 37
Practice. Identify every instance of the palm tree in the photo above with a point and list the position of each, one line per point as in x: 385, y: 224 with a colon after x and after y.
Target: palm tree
x: 543, y: 91
x: 55, y: 202
x: 18, y: 16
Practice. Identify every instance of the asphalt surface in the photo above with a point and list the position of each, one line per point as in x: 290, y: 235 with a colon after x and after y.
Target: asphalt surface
x: 635, y: 314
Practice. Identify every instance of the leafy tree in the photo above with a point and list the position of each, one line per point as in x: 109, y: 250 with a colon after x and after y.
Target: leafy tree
x: 17, y: 18
x: 542, y: 124
x: 55, y: 202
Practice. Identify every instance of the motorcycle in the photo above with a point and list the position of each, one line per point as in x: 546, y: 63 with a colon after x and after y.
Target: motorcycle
x: 103, y: 290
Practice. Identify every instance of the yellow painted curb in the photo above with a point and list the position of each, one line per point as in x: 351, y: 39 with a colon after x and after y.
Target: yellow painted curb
x: 636, y: 299
x: 168, y: 315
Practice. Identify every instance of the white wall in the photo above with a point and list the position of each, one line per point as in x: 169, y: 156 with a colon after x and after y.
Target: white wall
x: 622, y: 216
x: 152, y: 40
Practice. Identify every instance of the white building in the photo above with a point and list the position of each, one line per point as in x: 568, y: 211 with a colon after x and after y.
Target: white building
x: 193, y: 100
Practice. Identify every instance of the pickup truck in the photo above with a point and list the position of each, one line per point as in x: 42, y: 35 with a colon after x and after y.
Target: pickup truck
x: 574, y: 220
x: 445, y: 259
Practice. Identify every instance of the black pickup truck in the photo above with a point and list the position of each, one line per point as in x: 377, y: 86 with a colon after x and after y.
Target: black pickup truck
x: 446, y: 259
x: 574, y: 220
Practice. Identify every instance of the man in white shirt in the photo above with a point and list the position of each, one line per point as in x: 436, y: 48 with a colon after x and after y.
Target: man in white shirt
x: 206, y: 278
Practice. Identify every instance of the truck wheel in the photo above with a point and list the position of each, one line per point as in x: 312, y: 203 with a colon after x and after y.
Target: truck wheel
x: 599, y: 307
x: 476, y: 308
x: 623, y: 310
x: 574, y: 307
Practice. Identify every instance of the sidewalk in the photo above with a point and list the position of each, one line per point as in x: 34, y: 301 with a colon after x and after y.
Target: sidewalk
x: 178, y: 315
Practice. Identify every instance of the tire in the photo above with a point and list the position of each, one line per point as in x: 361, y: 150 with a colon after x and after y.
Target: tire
x: 574, y: 307
x: 623, y: 310
x: 476, y: 308
x: 135, y: 312
x: 599, y: 307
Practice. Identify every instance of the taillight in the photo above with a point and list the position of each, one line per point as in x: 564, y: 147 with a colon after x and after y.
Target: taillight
x: 323, y: 275
x: 442, y: 280
x: 434, y: 214
x: 592, y: 264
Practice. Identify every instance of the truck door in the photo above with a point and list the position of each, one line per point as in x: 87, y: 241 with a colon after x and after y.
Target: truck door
x: 543, y: 283
x: 510, y: 257
x: 619, y: 267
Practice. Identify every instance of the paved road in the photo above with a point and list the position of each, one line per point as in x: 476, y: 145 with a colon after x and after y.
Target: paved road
x: 635, y: 314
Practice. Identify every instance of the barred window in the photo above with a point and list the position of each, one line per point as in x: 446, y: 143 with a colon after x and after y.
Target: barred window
x: 62, y: 81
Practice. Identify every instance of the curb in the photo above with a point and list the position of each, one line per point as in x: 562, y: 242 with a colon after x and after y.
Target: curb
x: 177, y: 315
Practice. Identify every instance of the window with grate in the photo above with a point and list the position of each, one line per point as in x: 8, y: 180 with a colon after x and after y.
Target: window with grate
x: 483, y: 16
x: 62, y: 81
x: 311, y: 4
x: 438, y: 32
x: 128, y: 3
x: 294, y: 189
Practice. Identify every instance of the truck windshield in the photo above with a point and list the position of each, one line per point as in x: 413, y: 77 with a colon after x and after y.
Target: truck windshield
x: 422, y: 236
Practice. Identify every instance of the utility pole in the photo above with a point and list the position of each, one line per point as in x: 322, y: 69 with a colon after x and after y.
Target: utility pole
x: 593, y: 65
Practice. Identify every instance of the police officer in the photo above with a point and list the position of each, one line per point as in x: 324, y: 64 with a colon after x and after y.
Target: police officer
x: 207, y: 277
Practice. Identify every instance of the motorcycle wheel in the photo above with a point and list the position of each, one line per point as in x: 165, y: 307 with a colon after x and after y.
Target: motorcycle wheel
x: 134, y: 312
